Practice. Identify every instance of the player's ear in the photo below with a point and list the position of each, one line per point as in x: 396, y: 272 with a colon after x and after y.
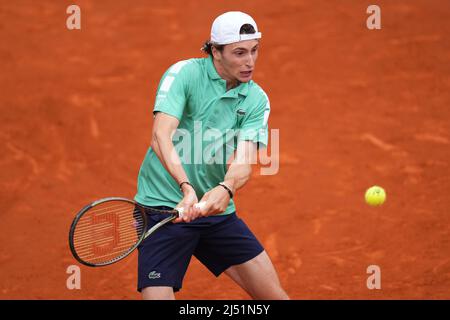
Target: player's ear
x: 217, y: 54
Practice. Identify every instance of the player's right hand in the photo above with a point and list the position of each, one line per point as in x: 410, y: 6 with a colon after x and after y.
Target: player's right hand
x: 187, y: 203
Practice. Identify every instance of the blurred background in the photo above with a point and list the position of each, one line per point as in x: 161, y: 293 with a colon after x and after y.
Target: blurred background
x: 355, y: 107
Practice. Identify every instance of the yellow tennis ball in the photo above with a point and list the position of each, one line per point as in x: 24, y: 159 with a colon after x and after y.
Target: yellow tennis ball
x: 375, y: 196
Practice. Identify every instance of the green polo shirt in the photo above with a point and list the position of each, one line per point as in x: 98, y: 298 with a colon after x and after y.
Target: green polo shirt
x: 212, y: 121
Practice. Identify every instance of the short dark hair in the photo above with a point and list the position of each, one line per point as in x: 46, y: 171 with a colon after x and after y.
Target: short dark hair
x: 207, y: 46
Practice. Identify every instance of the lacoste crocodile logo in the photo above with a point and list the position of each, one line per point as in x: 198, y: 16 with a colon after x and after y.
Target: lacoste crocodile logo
x: 154, y: 275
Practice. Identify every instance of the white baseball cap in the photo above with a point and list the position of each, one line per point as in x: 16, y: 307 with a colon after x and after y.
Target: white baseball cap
x: 225, y: 28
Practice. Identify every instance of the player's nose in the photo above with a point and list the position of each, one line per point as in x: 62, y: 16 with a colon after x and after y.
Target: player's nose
x: 250, y: 61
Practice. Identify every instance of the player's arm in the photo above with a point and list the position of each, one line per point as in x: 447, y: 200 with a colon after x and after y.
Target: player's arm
x: 171, y: 99
x: 253, y: 132
x: 240, y: 168
x: 164, y: 127
x: 239, y: 172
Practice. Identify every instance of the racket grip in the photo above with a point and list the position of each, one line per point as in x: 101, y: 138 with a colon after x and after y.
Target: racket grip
x: 199, y: 205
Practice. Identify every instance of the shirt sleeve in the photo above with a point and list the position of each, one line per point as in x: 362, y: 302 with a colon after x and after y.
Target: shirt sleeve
x: 255, y: 125
x: 172, y: 93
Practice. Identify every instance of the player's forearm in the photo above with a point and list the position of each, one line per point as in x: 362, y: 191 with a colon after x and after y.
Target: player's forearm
x: 240, y: 169
x: 165, y: 150
x: 237, y: 175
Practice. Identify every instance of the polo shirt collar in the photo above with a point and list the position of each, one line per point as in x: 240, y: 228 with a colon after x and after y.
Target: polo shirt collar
x: 242, y: 88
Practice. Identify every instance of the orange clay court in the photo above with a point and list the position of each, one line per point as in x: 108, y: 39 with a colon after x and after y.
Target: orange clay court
x: 355, y: 108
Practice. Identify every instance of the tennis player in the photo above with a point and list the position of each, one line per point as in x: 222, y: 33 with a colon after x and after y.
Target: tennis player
x: 212, y: 106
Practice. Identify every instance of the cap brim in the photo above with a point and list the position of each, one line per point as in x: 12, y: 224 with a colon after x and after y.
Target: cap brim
x: 241, y: 37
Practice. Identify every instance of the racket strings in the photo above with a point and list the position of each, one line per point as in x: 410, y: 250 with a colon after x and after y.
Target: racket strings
x: 108, y: 231
x: 87, y: 225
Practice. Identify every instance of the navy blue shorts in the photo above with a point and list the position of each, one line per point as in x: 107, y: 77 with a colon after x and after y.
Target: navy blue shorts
x: 218, y: 242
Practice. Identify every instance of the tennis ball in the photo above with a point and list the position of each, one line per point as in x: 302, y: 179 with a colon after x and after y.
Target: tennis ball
x: 375, y: 196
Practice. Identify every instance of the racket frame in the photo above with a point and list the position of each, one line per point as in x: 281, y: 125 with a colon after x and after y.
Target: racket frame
x: 173, y: 214
x: 95, y: 203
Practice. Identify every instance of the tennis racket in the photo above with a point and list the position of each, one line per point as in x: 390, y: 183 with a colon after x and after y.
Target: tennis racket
x: 109, y: 229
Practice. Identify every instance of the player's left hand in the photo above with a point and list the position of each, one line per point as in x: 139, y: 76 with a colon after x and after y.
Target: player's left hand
x: 216, y: 201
